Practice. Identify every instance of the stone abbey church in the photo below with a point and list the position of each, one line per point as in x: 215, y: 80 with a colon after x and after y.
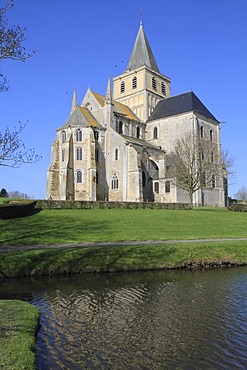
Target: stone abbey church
x: 115, y: 147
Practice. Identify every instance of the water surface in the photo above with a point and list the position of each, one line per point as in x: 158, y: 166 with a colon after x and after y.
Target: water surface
x: 145, y: 320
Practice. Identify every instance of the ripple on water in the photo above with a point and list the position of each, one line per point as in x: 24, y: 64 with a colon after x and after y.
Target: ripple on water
x: 145, y: 321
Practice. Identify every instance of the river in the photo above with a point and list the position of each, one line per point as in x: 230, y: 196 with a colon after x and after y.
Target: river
x: 139, y: 320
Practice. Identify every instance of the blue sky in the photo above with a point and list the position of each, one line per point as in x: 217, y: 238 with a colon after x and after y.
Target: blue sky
x: 199, y: 44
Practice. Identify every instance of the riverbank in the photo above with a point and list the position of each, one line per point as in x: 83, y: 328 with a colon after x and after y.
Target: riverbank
x: 18, y: 328
x: 116, y: 258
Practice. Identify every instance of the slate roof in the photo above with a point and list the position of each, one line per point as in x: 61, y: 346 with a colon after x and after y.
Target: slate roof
x: 142, y: 53
x: 183, y: 103
x: 81, y: 116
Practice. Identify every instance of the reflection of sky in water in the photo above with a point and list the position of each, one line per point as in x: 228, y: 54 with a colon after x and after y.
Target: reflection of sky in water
x: 147, y: 320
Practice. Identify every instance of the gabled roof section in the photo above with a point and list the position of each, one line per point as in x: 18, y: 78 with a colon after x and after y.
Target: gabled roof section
x: 118, y: 108
x: 183, y: 103
x: 142, y: 53
x: 100, y: 98
x: 124, y: 110
x: 81, y: 117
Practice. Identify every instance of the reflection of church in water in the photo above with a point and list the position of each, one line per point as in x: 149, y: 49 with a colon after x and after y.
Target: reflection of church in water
x: 114, y: 147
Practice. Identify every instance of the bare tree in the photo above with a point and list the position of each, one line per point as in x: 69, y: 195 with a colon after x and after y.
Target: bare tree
x: 11, y: 40
x: 13, y: 152
x: 241, y: 194
x: 12, y: 149
x: 228, y: 162
x: 17, y: 195
x: 194, y: 164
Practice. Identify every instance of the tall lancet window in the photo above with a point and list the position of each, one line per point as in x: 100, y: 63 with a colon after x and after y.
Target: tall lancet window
x: 120, y: 127
x: 155, y: 133
x: 79, y: 154
x: 138, y: 132
x: 213, y: 181
x: 116, y: 154
x: 79, y: 176
x: 201, y: 132
x: 78, y: 135
x: 114, y: 181
x: 63, y: 136
x: 211, y: 135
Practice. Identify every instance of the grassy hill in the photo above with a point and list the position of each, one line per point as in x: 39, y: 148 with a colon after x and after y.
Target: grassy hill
x: 78, y: 226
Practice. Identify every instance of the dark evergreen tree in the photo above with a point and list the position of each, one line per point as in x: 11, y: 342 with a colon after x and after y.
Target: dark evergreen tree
x: 3, y: 193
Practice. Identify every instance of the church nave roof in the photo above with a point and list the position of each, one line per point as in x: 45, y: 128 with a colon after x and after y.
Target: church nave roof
x: 178, y: 104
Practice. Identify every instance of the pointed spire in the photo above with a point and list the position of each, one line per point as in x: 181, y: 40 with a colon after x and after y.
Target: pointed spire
x: 141, y: 16
x: 142, y: 53
x: 74, y: 102
x: 108, y: 95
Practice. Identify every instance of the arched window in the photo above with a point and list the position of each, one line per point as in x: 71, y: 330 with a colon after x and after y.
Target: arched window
x: 120, y: 127
x: 79, y: 176
x: 212, y: 157
x: 78, y: 135
x: 78, y: 154
x: 138, y: 130
x: 63, y: 155
x: 96, y: 135
x: 211, y: 135
x: 155, y: 133
x: 63, y: 136
x: 122, y: 87
x: 167, y: 187
x: 163, y: 88
x: 89, y: 106
x: 213, y: 181
x: 114, y: 181
x: 154, y: 84
x: 203, y: 179
x: 97, y: 177
x: 143, y: 179
x: 201, y: 132
x: 134, y: 82
x: 97, y: 154
x: 156, y: 187
x: 116, y: 154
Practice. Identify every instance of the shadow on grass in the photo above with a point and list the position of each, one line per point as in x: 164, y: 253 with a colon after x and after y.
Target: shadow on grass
x: 78, y: 260
x: 40, y: 229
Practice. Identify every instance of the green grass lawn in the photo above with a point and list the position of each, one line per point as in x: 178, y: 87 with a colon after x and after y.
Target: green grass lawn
x: 77, y: 226
x: 18, y: 325
x: 121, y: 258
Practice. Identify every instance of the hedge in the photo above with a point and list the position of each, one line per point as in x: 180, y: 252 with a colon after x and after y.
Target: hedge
x: 64, y: 204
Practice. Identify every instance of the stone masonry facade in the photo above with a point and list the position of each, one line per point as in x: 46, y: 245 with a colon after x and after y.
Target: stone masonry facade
x: 115, y: 147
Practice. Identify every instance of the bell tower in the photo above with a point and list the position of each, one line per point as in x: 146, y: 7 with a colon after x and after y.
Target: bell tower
x: 141, y: 86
